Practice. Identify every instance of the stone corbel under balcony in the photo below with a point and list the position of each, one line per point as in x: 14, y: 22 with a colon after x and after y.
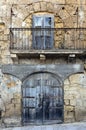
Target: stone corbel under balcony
x: 14, y: 58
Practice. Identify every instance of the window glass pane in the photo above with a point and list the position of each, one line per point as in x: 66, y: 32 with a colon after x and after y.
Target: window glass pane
x: 47, y: 21
x: 38, y: 21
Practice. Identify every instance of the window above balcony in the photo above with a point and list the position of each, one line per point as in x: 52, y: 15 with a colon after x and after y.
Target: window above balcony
x: 45, y: 37
x: 42, y: 38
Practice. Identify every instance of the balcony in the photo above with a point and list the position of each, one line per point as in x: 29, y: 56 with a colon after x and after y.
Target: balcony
x: 48, y: 41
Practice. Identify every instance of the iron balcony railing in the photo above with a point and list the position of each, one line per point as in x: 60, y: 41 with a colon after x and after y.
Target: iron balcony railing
x: 47, y: 38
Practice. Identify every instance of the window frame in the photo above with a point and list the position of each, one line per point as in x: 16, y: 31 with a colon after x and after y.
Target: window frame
x: 43, y: 26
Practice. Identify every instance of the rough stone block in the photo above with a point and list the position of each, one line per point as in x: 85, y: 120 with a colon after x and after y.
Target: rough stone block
x: 66, y: 87
x: 10, y: 112
x: 80, y: 114
x: 76, y: 78
x: 67, y: 102
x: 43, y: 6
x: 68, y: 120
x: 2, y: 25
x: 68, y: 96
x: 73, y: 102
x: 50, y: 7
x: 17, y: 95
x: 79, y: 102
x: 9, y: 106
x: 12, y: 121
x: 66, y: 82
x: 36, y: 6
x: 2, y: 106
x: 69, y: 108
x: 75, y: 2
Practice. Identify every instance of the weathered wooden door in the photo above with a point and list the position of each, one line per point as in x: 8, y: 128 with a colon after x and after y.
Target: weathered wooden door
x: 42, y: 99
x: 43, y: 34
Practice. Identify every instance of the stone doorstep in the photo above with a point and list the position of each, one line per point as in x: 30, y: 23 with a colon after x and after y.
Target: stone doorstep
x: 69, y: 126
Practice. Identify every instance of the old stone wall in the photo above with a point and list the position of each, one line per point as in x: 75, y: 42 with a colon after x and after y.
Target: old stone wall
x: 10, y: 100
x: 75, y: 98
x: 11, y: 97
x: 18, y: 13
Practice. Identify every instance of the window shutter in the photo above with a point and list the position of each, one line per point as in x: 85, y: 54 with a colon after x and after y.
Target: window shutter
x: 43, y: 38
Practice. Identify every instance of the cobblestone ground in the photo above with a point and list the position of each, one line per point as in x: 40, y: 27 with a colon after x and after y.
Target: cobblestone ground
x: 72, y: 126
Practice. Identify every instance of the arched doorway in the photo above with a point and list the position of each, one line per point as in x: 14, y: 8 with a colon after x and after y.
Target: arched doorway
x: 42, y: 99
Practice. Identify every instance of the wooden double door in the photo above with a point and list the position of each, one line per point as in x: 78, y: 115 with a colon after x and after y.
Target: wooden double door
x: 42, y: 99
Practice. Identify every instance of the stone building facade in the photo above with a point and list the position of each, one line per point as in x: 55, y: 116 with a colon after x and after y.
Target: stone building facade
x: 42, y: 53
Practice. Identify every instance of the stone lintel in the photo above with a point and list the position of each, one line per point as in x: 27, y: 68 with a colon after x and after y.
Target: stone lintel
x: 61, y: 70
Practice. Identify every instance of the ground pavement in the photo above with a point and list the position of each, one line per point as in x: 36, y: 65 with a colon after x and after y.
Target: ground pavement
x: 69, y: 126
